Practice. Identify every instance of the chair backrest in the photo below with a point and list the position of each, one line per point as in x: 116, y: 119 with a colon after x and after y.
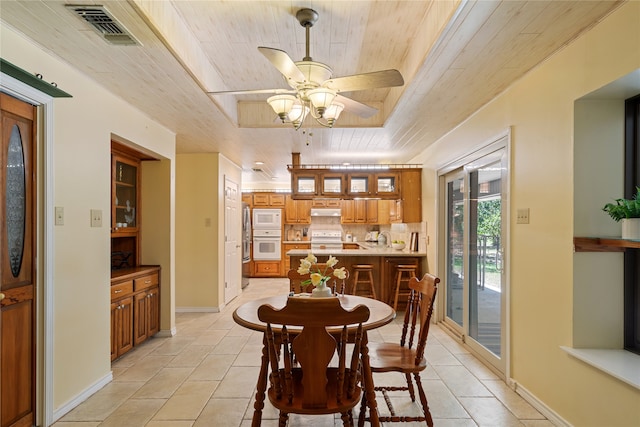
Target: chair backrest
x: 296, y: 279
x: 419, y: 311
x: 314, y: 347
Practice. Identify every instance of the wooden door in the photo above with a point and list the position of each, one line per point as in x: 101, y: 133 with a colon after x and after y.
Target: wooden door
x: 17, y: 266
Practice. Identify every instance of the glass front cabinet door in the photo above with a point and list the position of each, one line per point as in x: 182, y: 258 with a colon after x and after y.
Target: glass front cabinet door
x: 387, y: 185
x: 124, y: 216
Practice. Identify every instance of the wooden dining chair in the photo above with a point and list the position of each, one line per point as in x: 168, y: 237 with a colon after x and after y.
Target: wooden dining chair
x: 314, y: 386
x: 296, y: 279
x: 407, y: 357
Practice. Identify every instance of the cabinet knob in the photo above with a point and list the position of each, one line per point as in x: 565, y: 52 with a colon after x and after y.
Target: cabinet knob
x: 2, y: 296
x: 146, y: 282
x: 117, y: 291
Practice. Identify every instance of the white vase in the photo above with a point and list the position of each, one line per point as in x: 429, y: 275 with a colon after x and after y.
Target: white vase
x: 321, y: 291
x: 631, y: 228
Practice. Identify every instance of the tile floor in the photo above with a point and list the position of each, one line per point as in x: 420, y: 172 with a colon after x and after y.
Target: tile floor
x: 206, y: 376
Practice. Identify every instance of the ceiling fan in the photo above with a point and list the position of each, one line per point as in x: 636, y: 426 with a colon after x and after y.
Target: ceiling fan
x: 313, y: 90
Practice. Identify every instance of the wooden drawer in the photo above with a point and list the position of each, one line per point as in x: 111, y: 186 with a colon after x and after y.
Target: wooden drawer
x: 291, y: 246
x: 267, y: 268
x: 121, y: 290
x: 145, y: 282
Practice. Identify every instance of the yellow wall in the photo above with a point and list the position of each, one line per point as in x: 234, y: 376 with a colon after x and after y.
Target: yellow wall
x: 83, y: 127
x: 539, y: 109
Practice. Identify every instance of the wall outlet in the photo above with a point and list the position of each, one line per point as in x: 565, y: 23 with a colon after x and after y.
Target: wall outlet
x: 96, y: 218
x: 522, y: 216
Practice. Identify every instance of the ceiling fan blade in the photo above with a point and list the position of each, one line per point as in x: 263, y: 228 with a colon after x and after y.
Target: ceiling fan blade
x: 281, y: 60
x: 250, y: 91
x: 376, y: 79
x: 356, y: 107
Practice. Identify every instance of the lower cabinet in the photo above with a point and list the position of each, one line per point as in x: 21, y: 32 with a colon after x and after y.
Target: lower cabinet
x: 121, y: 327
x: 266, y: 268
x: 135, y: 307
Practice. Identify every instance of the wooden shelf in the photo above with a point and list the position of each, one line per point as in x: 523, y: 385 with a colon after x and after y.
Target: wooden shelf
x: 604, y: 244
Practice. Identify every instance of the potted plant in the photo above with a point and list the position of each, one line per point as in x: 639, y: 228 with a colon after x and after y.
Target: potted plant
x: 627, y: 211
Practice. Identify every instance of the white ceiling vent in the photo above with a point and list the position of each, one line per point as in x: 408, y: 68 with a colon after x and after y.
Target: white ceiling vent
x: 104, y: 24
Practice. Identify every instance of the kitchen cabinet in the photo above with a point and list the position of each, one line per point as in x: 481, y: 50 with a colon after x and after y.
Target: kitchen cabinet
x: 268, y: 200
x: 359, y: 185
x: 332, y: 184
x: 286, y: 262
x: 297, y: 211
x: 248, y: 199
x: 135, y: 307
x: 325, y: 203
x: 267, y: 269
x: 121, y: 318
x: 372, y: 212
x: 411, y: 195
x: 360, y: 211
x: 304, y: 185
x: 387, y: 184
x: 125, y: 210
x: 347, y: 211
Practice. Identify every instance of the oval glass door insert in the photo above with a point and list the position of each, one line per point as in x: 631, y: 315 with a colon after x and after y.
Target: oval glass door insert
x: 15, y: 206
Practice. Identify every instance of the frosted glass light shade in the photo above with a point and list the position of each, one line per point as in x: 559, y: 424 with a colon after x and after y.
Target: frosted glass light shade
x: 321, y: 99
x: 281, y: 104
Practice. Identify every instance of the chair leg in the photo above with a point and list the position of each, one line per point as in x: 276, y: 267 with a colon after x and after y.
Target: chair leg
x: 412, y: 392
x: 346, y: 419
x: 363, y: 409
x: 373, y: 290
x: 282, y: 421
x: 423, y: 401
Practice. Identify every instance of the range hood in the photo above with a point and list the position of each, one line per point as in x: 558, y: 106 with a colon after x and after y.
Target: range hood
x: 326, y: 212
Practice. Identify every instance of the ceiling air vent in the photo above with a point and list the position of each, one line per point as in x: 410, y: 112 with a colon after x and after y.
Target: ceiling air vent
x: 257, y: 170
x: 104, y: 24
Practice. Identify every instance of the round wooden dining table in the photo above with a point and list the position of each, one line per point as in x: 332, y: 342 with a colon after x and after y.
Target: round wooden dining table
x: 247, y: 315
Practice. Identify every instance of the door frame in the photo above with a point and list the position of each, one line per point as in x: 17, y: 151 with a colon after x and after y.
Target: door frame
x: 499, y: 142
x: 44, y: 143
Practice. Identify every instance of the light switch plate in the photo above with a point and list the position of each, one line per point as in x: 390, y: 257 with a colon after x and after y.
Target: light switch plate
x: 59, y: 215
x: 522, y: 216
x: 96, y: 218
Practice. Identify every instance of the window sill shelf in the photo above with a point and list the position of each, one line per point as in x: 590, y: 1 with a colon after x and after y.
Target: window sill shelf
x: 620, y: 364
x: 604, y: 244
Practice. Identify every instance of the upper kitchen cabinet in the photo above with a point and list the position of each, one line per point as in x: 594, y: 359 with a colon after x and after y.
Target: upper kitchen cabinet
x: 411, y: 195
x: 268, y: 200
x: 332, y: 184
x: 359, y: 185
x: 125, y: 193
x: 387, y: 185
x: 304, y: 185
x: 297, y: 211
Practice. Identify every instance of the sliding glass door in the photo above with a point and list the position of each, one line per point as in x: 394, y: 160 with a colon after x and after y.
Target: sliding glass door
x: 475, y: 200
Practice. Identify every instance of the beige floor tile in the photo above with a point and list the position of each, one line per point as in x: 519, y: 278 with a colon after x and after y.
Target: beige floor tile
x: 104, y: 402
x: 477, y: 368
x: 173, y: 346
x: 188, y: 401
x: 191, y: 356
x: 164, y: 384
x: 77, y: 423
x: 460, y: 381
x: 172, y: 423
x: 222, y: 413
x: 514, y: 402
x: 210, y: 337
x: 239, y: 382
x: 439, y: 355
x: 250, y: 355
x: 489, y: 412
x: 134, y: 412
x: 537, y: 423
x: 230, y: 345
x: 213, y: 368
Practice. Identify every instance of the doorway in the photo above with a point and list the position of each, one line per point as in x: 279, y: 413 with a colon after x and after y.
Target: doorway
x: 474, y: 201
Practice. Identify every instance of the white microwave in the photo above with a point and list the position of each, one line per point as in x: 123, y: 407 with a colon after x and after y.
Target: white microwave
x: 267, y: 219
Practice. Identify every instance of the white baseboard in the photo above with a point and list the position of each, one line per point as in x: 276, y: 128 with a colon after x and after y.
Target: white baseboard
x: 549, y: 413
x: 166, y: 333
x: 84, y: 395
x: 197, y: 309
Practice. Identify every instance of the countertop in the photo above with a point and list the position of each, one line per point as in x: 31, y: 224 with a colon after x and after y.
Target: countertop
x: 365, y: 250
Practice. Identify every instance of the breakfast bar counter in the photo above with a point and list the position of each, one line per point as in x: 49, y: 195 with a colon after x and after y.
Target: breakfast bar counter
x: 384, y: 261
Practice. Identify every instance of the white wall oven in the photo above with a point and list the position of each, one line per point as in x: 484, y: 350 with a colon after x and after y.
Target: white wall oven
x: 267, y: 219
x: 267, y: 245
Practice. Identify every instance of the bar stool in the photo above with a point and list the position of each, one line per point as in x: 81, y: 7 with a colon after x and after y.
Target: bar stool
x: 404, y: 272
x: 366, y: 279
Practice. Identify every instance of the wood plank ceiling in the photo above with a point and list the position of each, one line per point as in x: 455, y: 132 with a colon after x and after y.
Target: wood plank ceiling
x: 455, y: 56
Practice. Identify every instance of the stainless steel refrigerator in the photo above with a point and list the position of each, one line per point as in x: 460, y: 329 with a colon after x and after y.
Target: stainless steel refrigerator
x: 246, y: 244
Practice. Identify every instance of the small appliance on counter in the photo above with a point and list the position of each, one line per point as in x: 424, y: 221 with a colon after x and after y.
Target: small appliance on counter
x: 348, y: 237
x: 413, y: 243
x: 371, y: 236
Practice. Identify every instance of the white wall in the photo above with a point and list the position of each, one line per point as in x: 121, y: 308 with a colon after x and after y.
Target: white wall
x: 539, y: 109
x: 81, y: 172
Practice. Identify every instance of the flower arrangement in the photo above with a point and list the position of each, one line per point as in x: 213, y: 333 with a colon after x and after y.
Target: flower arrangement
x: 317, y: 275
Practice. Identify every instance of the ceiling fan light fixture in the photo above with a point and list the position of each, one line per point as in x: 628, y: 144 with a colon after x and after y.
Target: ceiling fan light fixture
x: 282, y: 105
x: 321, y: 98
x: 333, y: 112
